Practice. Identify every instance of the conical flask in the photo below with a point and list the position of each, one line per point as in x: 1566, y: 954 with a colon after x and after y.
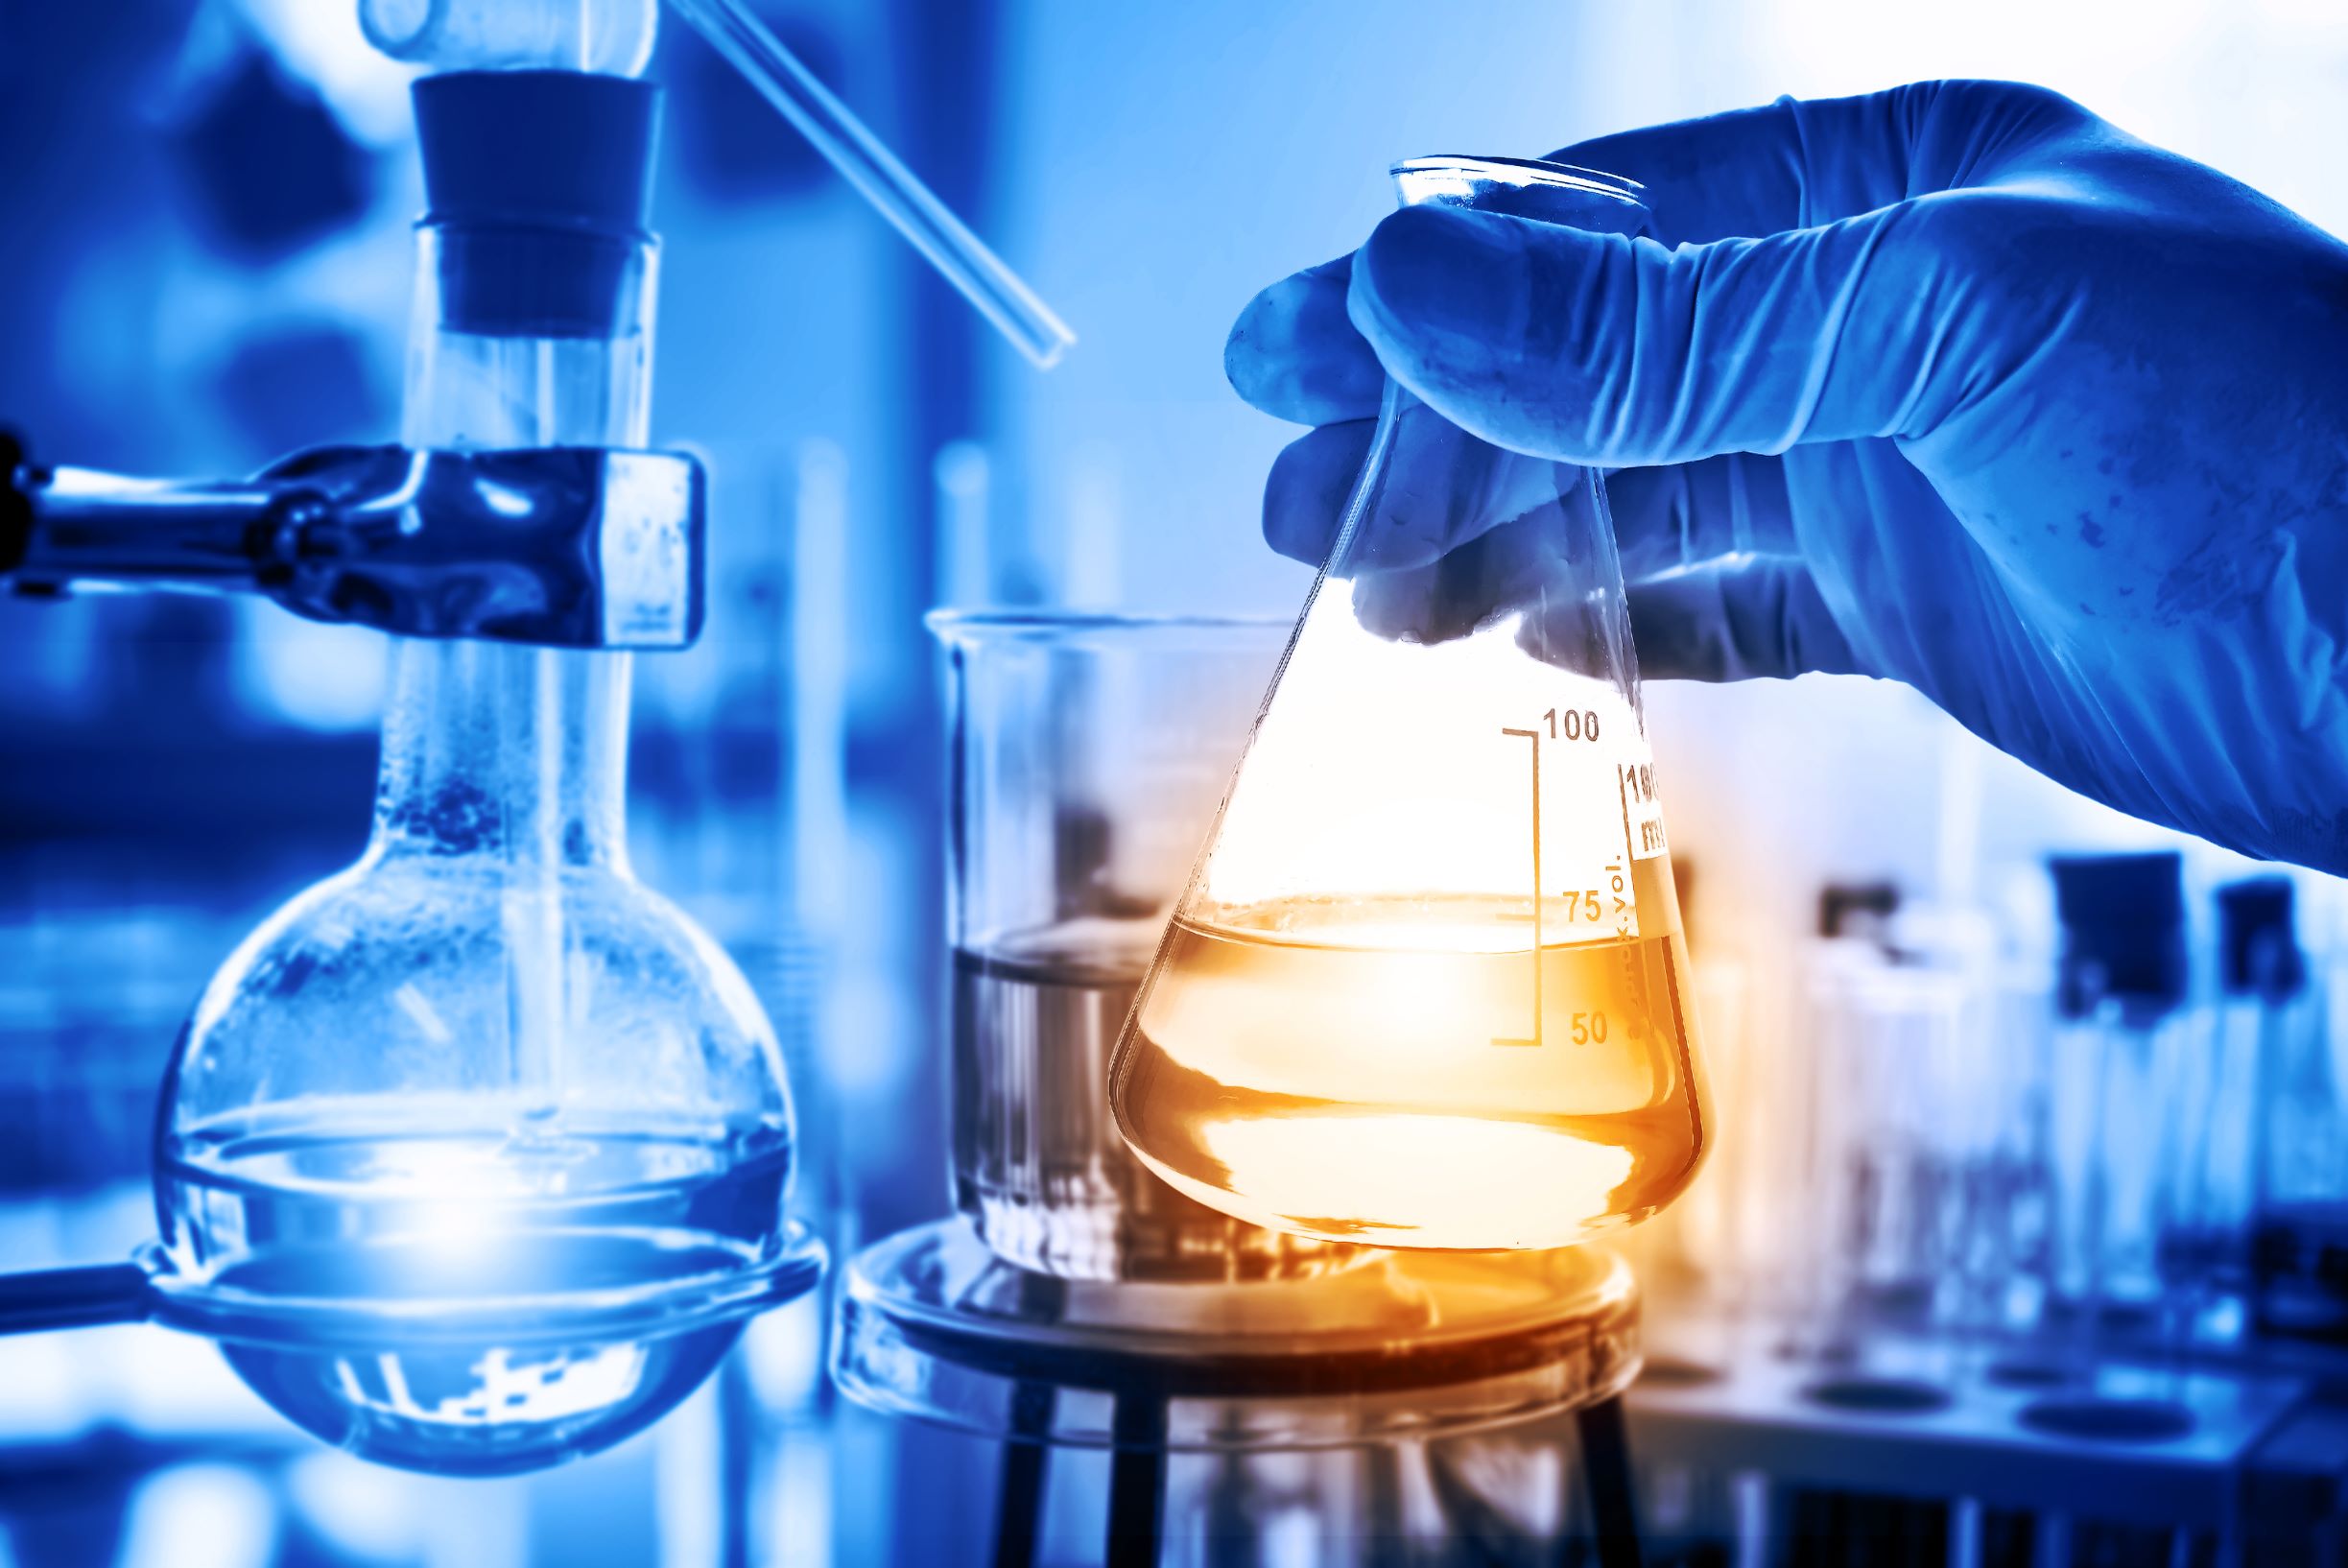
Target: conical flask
x: 1427, y: 987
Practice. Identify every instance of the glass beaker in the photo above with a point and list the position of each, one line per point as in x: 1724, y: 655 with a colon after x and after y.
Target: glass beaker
x: 1086, y: 751
x: 1428, y: 986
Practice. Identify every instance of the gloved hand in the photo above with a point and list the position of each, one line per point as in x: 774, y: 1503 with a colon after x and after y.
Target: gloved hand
x: 1956, y: 385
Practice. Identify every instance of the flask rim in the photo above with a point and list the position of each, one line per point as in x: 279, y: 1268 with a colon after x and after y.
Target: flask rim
x: 958, y: 627
x: 1522, y: 172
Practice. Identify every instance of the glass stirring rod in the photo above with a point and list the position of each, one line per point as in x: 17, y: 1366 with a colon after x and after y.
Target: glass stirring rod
x: 878, y: 175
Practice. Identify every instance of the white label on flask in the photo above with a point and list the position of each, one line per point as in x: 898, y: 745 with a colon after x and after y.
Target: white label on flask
x: 1642, y: 812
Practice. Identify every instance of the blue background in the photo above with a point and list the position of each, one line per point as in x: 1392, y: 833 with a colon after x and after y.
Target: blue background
x: 204, y: 263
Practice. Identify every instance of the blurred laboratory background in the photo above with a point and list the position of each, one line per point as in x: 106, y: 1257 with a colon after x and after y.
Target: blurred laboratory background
x: 2025, y: 1240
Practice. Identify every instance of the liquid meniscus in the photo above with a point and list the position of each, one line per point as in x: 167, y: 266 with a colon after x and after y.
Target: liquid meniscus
x: 1416, y: 1072
x: 468, y: 1277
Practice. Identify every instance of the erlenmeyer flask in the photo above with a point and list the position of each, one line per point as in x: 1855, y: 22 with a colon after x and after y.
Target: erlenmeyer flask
x: 1428, y: 987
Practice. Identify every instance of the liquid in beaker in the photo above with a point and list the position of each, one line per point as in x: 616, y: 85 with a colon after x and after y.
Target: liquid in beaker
x: 1087, y: 753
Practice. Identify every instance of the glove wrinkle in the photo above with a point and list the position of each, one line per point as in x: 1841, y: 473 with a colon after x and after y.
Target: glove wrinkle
x: 1956, y: 385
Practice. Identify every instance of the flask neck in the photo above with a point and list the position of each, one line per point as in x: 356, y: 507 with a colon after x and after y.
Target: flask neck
x: 514, y: 753
x: 517, y: 754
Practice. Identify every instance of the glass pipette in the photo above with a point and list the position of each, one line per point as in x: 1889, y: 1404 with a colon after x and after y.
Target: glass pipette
x: 899, y: 193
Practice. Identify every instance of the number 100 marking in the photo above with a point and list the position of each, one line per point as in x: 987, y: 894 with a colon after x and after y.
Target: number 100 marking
x: 1572, y: 724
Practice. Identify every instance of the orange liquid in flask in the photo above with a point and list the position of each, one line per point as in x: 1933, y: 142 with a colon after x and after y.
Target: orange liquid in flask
x: 1421, y: 1071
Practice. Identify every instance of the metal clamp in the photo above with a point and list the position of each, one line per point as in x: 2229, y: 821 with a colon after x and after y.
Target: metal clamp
x: 560, y: 547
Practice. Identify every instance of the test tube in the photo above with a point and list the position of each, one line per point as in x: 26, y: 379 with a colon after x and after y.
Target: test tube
x: 2120, y: 1085
x: 2298, y: 1165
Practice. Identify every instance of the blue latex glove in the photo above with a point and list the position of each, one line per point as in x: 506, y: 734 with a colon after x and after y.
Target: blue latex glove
x: 1956, y: 385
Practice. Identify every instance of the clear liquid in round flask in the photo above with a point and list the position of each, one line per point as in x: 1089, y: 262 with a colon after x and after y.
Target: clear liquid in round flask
x: 474, y: 1158
x: 1428, y: 987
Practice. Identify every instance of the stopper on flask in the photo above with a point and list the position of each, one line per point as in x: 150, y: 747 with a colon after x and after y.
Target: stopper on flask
x: 539, y: 184
x: 2257, y: 937
x: 475, y: 1156
x: 2123, y: 932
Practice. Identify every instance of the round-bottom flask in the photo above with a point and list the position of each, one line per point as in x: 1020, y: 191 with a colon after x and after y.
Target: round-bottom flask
x: 474, y: 1158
